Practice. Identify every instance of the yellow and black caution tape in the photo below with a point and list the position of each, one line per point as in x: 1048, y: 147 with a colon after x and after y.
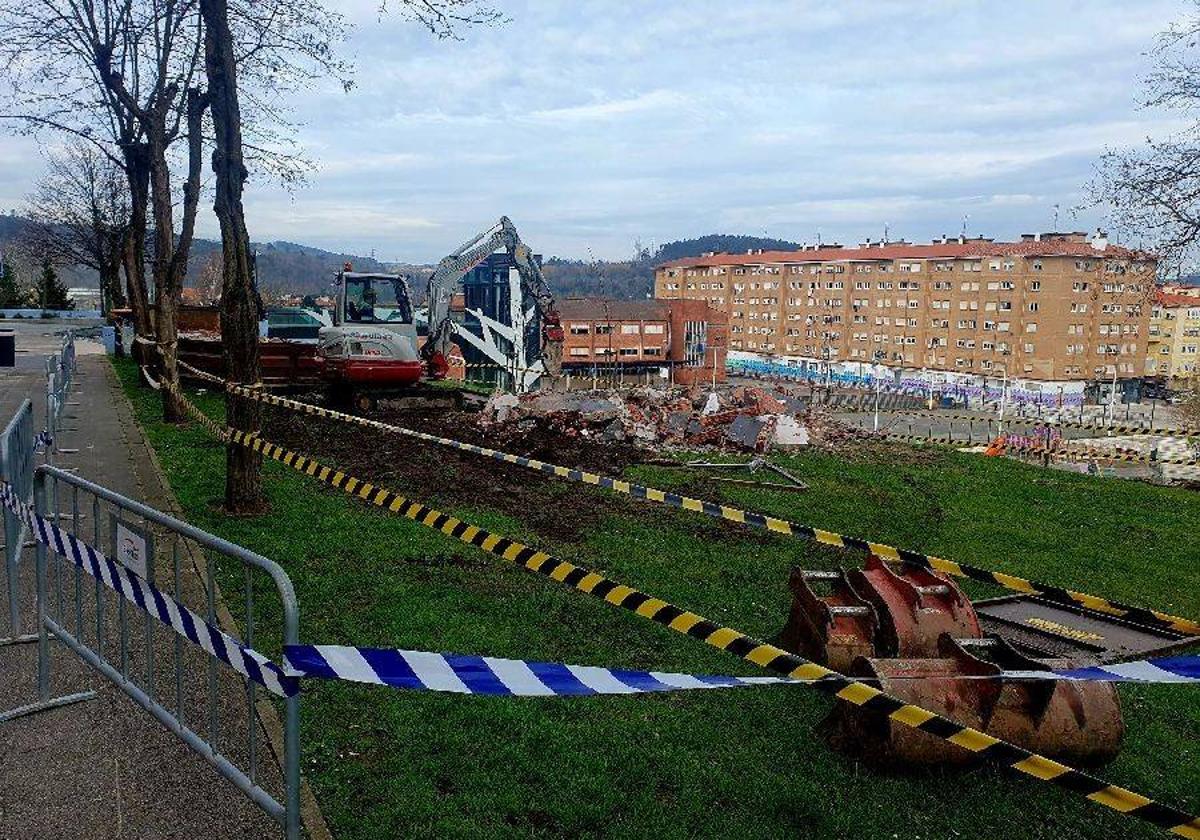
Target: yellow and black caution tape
x: 1067, y: 453
x: 1048, y: 423
x: 767, y: 656
x: 892, y: 554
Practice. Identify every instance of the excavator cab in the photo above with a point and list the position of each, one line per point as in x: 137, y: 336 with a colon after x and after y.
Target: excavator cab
x: 372, y: 346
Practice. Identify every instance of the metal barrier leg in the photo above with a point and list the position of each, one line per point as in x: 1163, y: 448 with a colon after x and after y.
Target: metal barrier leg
x: 44, y: 701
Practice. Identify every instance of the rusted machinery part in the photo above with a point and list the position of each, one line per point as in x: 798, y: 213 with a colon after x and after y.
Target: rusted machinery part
x: 915, y: 606
x: 828, y: 623
x: 1079, y: 723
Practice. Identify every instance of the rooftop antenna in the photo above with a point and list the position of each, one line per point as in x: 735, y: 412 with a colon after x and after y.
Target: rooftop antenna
x: 818, y: 239
x: 966, y: 216
x: 885, y: 233
x: 1055, y: 218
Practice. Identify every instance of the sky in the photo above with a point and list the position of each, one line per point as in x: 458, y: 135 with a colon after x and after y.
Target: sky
x: 595, y: 124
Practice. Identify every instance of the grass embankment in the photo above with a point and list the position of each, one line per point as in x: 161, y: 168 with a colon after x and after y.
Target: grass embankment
x: 733, y: 764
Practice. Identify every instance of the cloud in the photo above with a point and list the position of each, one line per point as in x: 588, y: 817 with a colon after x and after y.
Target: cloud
x: 600, y: 121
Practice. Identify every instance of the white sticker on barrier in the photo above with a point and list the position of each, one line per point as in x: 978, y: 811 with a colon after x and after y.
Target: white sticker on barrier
x: 132, y: 547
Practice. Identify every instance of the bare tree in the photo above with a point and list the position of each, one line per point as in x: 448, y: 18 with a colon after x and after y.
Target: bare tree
x: 1153, y: 191
x: 81, y: 207
x: 246, y: 43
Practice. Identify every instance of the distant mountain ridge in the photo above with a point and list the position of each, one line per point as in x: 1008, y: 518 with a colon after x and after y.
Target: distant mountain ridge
x: 304, y: 269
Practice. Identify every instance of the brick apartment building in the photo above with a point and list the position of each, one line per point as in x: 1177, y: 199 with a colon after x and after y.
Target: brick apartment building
x: 687, y: 337
x: 1054, y: 308
x: 1174, y: 341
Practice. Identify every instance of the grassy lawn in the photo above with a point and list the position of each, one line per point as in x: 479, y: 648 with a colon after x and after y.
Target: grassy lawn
x: 737, y: 763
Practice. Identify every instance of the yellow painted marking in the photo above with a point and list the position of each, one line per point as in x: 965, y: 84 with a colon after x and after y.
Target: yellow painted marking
x: 430, y: 517
x: 911, y: 715
x: 655, y: 495
x: 1118, y: 798
x: 396, y: 504
x: 510, y: 553
x: 287, y: 459
x: 973, y: 740
x: 591, y: 478
x: 338, y: 478
x: 365, y: 491
x: 351, y: 483
x: 692, y: 504
x: 779, y: 526
x: 1190, y: 830
x: 469, y: 534
x: 538, y: 560
x: 620, y: 486
x: 947, y: 566
x: 649, y: 608
x: 858, y: 693
x: 490, y: 541
x: 1062, y: 629
x: 589, y: 582
x: 619, y: 594
x: 1094, y: 603
x: 450, y: 525
x: 1019, y: 584
x: 381, y: 497
x: 828, y: 537
x: 763, y: 655
x: 885, y: 552
x: 733, y: 514
x: 809, y: 671
x: 1041, y: 767
x: 723, y: 637
x: 685, y: 622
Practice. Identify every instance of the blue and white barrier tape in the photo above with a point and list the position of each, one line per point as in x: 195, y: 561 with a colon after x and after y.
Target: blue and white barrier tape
x: 457, y: 673
x: 464, y: 674
x: 146, y: 597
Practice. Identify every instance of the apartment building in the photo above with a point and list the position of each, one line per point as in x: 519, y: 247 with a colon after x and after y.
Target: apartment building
x: 1050, y: 308
x: 686, y: 337
x: 1174, y: 336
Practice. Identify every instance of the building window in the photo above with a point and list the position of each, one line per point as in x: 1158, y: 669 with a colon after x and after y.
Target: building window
x: 630, y: 351
x: 580, y: 329
x: 630, y: 329
x: 603, y: 329
x: 653, y: 329
x: 579, y: 351
x: 652, y: 351
x: 1031, y: 327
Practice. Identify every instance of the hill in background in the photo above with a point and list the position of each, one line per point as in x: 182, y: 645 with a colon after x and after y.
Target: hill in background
x: 304, y: 270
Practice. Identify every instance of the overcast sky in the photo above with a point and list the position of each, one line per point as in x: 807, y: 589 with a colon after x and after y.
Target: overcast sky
x: 593, y: 123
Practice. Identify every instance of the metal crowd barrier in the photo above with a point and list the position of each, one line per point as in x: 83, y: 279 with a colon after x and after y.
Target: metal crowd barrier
x: 16, y: 467
x: 184, y: 685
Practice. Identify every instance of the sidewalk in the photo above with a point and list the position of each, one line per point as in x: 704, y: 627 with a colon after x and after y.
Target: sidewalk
x: 105, y: 768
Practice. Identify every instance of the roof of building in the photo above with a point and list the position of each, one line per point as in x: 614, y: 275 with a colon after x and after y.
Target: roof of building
x: 601, y: 309
x: 1171, y: 301
x: 951, y: 249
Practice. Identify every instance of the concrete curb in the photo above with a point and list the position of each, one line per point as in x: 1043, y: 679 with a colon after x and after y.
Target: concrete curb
x: 310, y: 811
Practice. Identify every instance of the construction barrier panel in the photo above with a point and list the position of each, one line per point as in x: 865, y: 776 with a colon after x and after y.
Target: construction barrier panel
x: 1000, y: 753
x: 70, y: 519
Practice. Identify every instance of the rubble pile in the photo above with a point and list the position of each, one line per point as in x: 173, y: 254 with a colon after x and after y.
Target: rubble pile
x: 745, y: 418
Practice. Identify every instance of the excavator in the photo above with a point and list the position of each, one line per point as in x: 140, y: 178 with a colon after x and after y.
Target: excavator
x: 372, y: 349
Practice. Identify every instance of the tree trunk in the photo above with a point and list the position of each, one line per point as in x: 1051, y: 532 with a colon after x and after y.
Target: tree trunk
x: 240, y: 305
x: 137, y: 170
x: 170, y: 256
x: 166, y: 298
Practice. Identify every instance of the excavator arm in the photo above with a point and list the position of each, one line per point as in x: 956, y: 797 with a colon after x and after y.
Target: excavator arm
x: 444, y: 281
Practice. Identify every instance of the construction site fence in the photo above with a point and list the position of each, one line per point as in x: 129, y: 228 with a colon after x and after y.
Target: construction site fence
x: 168, y: 613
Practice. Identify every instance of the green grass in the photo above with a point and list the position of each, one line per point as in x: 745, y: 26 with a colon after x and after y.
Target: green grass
x: 738, y: 763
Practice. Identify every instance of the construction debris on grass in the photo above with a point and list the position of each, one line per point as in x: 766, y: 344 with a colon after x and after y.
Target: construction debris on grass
x: 742, y: 419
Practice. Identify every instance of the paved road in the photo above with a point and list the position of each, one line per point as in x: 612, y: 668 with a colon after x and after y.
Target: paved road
x: 105, y: 768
